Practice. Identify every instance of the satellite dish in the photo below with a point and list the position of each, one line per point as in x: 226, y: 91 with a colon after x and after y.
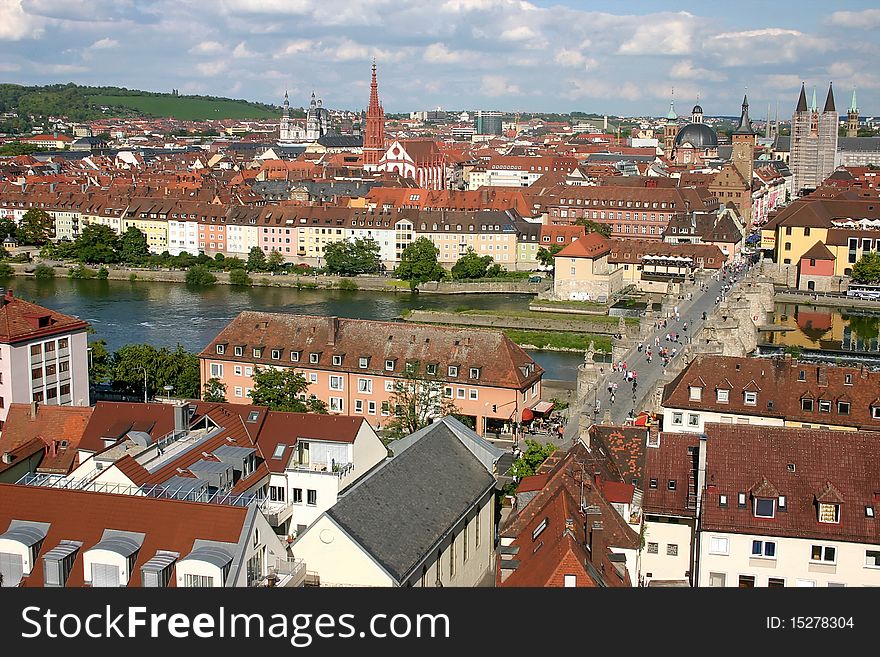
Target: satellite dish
x: 327, y: 536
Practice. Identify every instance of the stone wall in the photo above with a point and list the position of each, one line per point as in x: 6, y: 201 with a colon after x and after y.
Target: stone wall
x: 573, y: 325
x: 498, y: 287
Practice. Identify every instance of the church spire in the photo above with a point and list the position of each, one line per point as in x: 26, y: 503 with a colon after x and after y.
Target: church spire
x: 853, y: 106
x: 814, y: 106
x: 374, y: 133
x: 802, y: 99
x: 829, y: 99
x: 745, y: 125
x: 671, y: 115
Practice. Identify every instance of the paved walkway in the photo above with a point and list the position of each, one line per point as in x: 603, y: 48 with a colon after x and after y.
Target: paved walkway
x: 648, y: 374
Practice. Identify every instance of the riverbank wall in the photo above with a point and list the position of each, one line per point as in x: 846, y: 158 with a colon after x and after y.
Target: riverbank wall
x: 523, y: 323
x: 828, y: 301
x: 487, y: 287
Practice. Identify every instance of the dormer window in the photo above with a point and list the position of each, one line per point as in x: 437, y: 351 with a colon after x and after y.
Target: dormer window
x: 221, y: 349
x: 843, y: 407
x: 802, y: 375
x: 782, y: 502
x: 239, y: 351
x: 875, y: 412
x: 829, y: 513
x: 741, y: 500
x: 722, y: 396
x: 410, y: 367
x: 765, y: 508
x: 314, y: 357
x: 337, y: 360
x: 294, y: 356
x: 431, y: 368
x: 722, y: 500
x: 824, y: 406
x: 750, y: 398
x: 363, y: 362
x: 475, y: 373
x: 389, y: 365
x: 276, y: 354
x: 696, y: 393
x: 453, y: 371
x: 258, y: 352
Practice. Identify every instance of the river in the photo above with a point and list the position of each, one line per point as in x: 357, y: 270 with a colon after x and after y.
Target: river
x: 838, y: 331
x: 165, y: 314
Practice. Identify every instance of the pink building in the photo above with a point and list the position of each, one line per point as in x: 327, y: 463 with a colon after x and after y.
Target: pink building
x: 353, y: 365
x: 43, y: 356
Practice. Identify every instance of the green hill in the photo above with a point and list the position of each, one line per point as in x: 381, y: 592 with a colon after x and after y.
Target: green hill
x: 83, y: 103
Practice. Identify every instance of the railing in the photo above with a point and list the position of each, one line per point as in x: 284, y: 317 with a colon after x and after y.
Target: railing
x: 339, y: 469
x: 287, y: 571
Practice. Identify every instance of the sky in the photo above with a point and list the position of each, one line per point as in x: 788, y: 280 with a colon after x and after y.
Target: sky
x: 604, y: 56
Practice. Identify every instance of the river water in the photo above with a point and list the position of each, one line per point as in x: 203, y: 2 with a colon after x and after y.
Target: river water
x: 839, y: 331
x: 165, y: 314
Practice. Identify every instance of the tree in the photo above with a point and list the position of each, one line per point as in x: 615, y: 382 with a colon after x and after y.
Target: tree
x: 44, y: 272
x: 471, y: 265
x: 200, y: 276
x: 418, y: 262
x: 178, y: 369
x: 7, y: 229
x: 256, y: 259
x: 594, y: 227
x: 416, y: 401
x: 239, y: 277
x: 867, y: 269
x: 99, y: 362
x: 284, y: 390
x: 134, y: 248
x: 545, y: 256
x: 214, y: 391
x: 350, y: 258
x: 275, y: 261
x: 97, y: 243
x: 535, y: 454
x: 36, y: 227
x: 6, y: 270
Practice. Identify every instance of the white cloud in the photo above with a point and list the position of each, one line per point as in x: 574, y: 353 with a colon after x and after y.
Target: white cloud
x: 685, y: 70
x: 7, y: 67
x: 864, y: 20
x: 660, y: 35
x: 207, y: 48
x: 295, y: 47
x: 438, y: 53
x: 62, y: 69
x: 210, y: 69
x: 16, y: 24
x: 497, y: 85
x: 105, y: 43
x: 570, y: 58
x: 751, y: 47
x: 241, y: 51
x: 351, y: 51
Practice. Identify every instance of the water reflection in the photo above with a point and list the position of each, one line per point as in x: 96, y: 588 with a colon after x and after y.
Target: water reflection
x: 827, y: 329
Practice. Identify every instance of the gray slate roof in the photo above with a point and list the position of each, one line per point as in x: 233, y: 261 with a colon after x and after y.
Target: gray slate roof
x: 400, y: 512
x: 859, y: 144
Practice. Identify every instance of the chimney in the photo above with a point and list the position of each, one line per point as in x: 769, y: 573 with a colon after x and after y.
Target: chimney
x: 34, y: 410
x: 334, y: 330
x: 596, y: 541
x: 654, y: 434
x: 181, y: 417
x: 597, y: 477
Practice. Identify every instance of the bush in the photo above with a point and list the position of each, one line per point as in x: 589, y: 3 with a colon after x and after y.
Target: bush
x: 200, y: 276
x: 347, y: 285
x: 43, y: 272
x: 239, y: 277
x: 81, y: 272
x: 132, y: 277
x: 6, y: 270
x: 103, y: 273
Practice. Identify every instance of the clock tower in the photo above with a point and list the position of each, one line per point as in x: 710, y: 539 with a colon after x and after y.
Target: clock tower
x: 744, y: 140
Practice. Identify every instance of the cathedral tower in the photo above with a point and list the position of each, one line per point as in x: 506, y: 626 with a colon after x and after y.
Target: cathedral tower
x: 374, y: 132
x: 852, y: 118
x: 670, y: 129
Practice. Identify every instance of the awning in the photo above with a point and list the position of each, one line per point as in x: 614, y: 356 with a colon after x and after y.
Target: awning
x: 542, y: 407
x: 527, y: 415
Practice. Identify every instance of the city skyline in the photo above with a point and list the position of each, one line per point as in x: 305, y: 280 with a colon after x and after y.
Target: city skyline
x: 464, y: 54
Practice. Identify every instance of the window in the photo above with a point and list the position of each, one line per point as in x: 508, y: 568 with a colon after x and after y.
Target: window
x: 652, y: 548
x: 198, y: 581
x: 358, y: 405
x: 297, y: 495
x: 389, y: 365
x: 363, y: 363
x: 764, y: 549
x: 843, y: 407
x: 678, y: 418
x: 671, y: 485
x: 847, y: 379
x: 313, y: 377
x: 313, y: 357
x: 872, y: 559
x: 431, y: 368
x: 336, y: 404
x: 276, y: 493
x: 237, y: 370
x: 693, y: 419
x: 221, y: 349
x: 248, y: 371
x: 238, y: 391
x: 717, y: 580
x: 335, y: 382
x: 371, y: 408
x: 385, y: 409
x: 806, y: 404
x: 671, y: 550
x: 869, y: 511
x: 722, y: 396
x: 452, y: 370
x: 696, y: 393
x: 216, y: 370
x: 311, y: 497
x: 718, y: 545
x: 652, y: 483
x: 824, y: 406
x: 823, y: 553
x: 365, y: 385
x: 472, y: 394
x: 459, y: 393
x: 802, y: 375
x: 751, y: 398
x: 829, y: 513
x: 765, y: 508
x: 258, y: 352
x: 746, y: 581
x: 294, y: 356
x: 722, y: 500
x: 475, y: 373
x: 782, y: 502
x: 775, y: 583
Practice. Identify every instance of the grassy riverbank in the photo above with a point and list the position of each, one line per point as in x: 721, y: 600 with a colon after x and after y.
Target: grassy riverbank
x: 531, y: 314
x: 558, y: 341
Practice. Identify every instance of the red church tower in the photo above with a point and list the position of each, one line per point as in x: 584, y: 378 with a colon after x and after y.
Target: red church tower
x: 374, y: 134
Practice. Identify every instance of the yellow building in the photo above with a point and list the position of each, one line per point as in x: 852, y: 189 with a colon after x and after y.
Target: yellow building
x: 583, y: 273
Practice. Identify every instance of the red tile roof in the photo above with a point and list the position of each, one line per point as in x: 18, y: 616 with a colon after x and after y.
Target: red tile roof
x: 672, y: 461
x: 83, y: 516
x: 22, y: 321
x: 51, y: 425
x: 806, y: 466
x: 591, y: 246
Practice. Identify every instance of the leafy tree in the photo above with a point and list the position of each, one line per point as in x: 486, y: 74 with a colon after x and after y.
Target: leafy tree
x: 99, y: 362
x: 275, y: 261
x: 43, y: 272
x: 233, y: 263
x: 867, y: 269
x: 416, y: 401
x: 214, y: 391
x: 284, y: 390
x: 7, y: 229
x: 594, y: 227
x: 6, y: 270
x: 178, y: 368
x: 471, y: 265
x: 352, y: 257
x: 200, y: 276
x: 97, y: 243
x: 103, y: 273
x: 535, y: 454
x: 256, y: 259
x: 545, y: 256
x: 36, y: 227
x: 418, y: 263
x: 134, y: 248
x: 239, y: 277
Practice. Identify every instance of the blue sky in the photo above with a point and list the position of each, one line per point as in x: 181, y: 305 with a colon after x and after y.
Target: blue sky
x: 538, y: 55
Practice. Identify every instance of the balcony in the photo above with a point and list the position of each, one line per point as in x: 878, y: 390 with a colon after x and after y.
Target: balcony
x: 287, y: 572
x: 340, y: 470
x: 276, y: 512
